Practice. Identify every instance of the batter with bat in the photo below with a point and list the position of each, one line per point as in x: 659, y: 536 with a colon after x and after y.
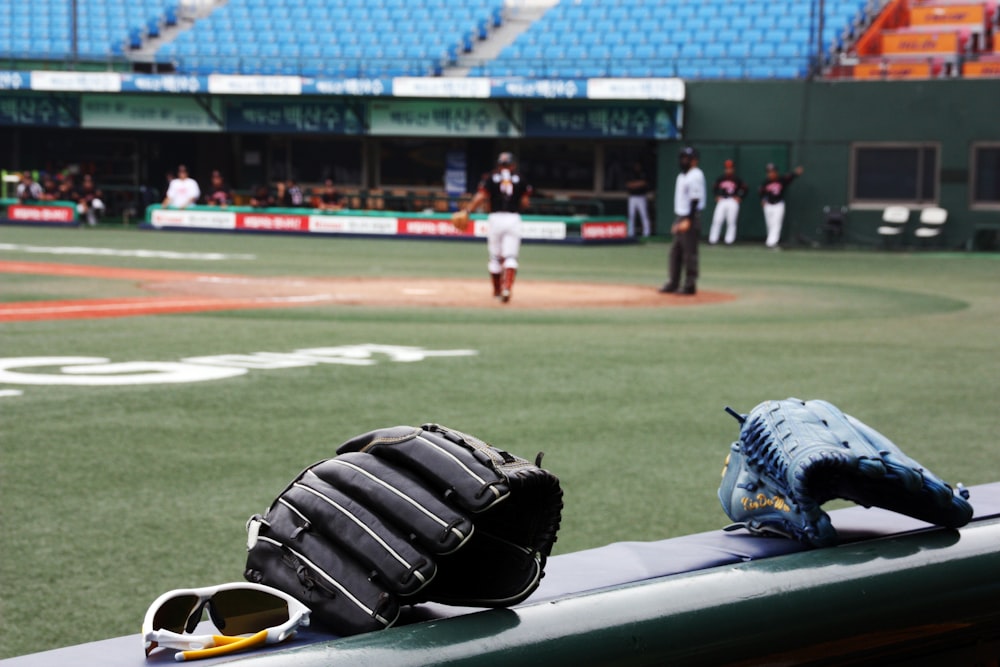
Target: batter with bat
x: 508, y: 194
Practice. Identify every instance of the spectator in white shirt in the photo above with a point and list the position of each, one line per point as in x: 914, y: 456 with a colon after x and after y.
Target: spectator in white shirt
x: 183, y: 191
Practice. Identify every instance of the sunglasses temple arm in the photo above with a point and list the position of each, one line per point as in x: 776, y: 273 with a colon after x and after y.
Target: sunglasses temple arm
x: 224, y: 645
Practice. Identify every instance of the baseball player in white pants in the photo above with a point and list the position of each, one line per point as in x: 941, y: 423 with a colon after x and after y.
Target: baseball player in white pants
x: 727, y: 209
x: 772, y: 198
x: 729, y: 192
x: 507, y: 194
x: 774, y: 218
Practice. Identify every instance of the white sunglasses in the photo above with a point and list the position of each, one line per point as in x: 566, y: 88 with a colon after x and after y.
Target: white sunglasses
x: 246, y: 615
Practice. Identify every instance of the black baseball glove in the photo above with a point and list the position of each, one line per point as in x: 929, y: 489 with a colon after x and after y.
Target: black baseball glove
x: 404, y: 515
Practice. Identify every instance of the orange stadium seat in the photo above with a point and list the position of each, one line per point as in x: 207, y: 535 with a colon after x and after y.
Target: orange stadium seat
x: 897, y: 69
x: 920, y: 43
x: 940, y: 16
x: 983, y: 68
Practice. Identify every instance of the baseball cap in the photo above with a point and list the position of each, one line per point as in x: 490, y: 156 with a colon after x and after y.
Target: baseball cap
x: 770, y: 167
x: 689, y: 152
x: 505, y: 158
x: 727, y: 164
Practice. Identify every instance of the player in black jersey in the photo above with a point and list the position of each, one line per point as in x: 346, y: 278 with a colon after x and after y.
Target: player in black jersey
x: 772, y: 199
x: 729, y: 191
x: 507, y: 194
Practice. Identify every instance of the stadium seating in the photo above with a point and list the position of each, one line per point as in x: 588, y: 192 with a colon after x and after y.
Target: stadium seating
x: 709, y: 39
x: 43, y: 29
x: 923, y: 39
x: 337, y: 38
x: 371, y: 38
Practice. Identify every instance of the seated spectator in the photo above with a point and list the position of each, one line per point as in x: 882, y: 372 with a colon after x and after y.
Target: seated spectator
x: 281, y: 195
x: 262, y: 197
x: 50, y: 189
x: 329, y: 198
x: 295, y: 197
x: 219, y: 193
x: 183, y: 191
x: 67, y: 189
x: 89, y: 202
x: 28, y: 191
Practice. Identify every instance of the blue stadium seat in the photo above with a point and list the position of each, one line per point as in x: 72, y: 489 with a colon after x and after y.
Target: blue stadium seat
x: 645, y: 51
x: 756, y: 71
x: 739, y: 49
x: 791, y: 50
x: 715, y: 49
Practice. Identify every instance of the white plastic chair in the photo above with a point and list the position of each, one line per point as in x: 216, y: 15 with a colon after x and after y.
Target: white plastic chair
x: 932, y: 221
x: 895, y: 219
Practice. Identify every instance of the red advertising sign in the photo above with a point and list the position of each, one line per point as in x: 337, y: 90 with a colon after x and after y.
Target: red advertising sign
x: 272, y: 222
x: 429, y: 227
x: 63, y: 214
x: 603, y: 230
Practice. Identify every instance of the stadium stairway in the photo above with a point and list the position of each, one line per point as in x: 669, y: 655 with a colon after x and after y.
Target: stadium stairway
x: 151, y: 44
x: 518, y: 19
x: 923, y: 39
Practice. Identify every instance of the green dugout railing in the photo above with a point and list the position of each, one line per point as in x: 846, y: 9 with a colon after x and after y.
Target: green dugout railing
x: 926, y: 598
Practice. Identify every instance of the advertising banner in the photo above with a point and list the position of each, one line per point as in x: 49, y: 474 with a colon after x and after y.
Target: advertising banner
x: 83, y: 82
x: 272, y: 222
x: 669, y: 90
x: 550, y: 89
x: 35, y: 111
x: 459, y: 118
x: 171, y: 113
x: 237, y: 84
x: 48, y: 214
x: 430, y: 227
x: 335, y: 117
x: 602, y: 121
x: 594, y: 231
x: 353, y: 224
x: 167, y: 217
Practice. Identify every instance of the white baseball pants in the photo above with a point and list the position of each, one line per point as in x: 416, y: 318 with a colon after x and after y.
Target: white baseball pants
x: 727, y: 210
x: 503, y: 240
x: 774, y: 217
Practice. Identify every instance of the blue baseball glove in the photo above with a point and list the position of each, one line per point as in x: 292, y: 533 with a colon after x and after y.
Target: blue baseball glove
x: 794, y: 455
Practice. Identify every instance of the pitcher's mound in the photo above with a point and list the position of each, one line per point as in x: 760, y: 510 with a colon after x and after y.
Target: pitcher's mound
x: 438, y: 292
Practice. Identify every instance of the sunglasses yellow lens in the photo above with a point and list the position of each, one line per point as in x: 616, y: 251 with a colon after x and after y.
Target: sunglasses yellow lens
x: 237, y: 612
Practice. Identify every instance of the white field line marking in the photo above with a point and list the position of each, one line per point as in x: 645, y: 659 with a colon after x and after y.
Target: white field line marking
x: 114, y: 252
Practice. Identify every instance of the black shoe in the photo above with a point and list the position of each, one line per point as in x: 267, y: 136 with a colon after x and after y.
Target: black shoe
x: 668, y: 288
x: 689, y: 290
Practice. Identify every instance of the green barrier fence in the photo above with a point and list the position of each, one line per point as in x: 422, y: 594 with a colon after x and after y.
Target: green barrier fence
x: 927, y: 598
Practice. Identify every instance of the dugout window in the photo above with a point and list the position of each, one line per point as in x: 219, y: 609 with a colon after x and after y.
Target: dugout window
x: 315, y: 159
x: 985, y: 173
x: 894, y: 173
x: 617, y: 160
x: 559, y: 165
x: 414, y: 162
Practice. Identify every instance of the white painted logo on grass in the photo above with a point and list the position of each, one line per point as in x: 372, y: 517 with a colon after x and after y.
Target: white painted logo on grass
x: 99, y: 371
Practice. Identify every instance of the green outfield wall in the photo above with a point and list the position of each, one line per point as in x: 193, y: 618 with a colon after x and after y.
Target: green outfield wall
x: 818, y: 125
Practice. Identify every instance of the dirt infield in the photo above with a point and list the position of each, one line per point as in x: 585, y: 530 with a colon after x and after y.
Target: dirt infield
x: 176, y: 291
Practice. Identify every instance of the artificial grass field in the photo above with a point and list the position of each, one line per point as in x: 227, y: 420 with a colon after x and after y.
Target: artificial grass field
x: 113, y: 495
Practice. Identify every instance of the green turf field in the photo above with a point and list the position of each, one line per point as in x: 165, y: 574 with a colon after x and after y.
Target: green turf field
x: 112, y: 495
